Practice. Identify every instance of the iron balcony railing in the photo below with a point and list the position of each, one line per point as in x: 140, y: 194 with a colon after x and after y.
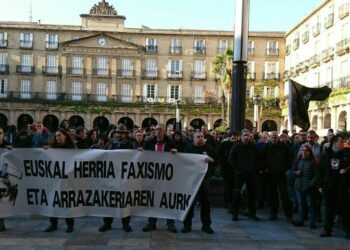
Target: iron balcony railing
x: 150, y: 74
x: 199, y: 50
x: 51, y: 70
x: 51, y: 45
x: 22, y: 69
x: 344, y: 10
x: 175, y: 50
x: 251, y: 51
x: 327, y: 54
x: 151, y: 49
x: 272, y: 52
x: 101, y: 72
x: 198, y: 75
x: 126, y: 73
x: 76, y: 71
x: 26, y: 44
x: 3, y: 43
x: 329, y: 20
x: 174, y: 75
x: 4, y: 68
x: 271, y: 76
x: 251, y: 75
x: 342, y: 47
x: 316, y: 29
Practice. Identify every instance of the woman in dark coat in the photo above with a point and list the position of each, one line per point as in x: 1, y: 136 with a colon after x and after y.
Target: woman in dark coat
x: 61, y: 140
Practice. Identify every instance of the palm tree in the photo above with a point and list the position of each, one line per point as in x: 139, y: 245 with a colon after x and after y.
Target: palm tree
x: 223, y: 67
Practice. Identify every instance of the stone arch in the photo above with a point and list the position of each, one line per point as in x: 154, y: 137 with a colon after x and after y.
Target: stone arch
x: 197, y: 123
x: 248, y: 124
x: 342, y: 121
x: 218, y: 123
x: 327, y: 121
x: 3, y: 121
x: 173, y: 122
x: 269, y: 125
x: 51, y: 122
x: 76, y: 121
x: 127, y: 121
x: 23, y: 120
x: 149, y: 122
x: 101, y: 123
x: 314, y: 122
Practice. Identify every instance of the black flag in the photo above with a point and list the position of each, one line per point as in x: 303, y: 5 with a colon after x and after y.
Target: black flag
x: 300, y: 96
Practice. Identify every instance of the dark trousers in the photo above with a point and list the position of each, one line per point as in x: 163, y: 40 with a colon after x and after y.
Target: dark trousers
x: 278, y: 184
x: 109, y: 220
x: 153, y: 221
x: 228, y: 186
x: 261, y: 188
x: 205, y: 207
x: 250, y: 180
x: 54, y: 221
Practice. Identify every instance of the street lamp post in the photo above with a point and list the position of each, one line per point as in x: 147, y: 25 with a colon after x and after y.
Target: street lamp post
x: 177, y: 115
x: 256, y: 101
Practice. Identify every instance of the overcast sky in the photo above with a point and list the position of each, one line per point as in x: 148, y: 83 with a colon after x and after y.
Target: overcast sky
x: 265, y: 15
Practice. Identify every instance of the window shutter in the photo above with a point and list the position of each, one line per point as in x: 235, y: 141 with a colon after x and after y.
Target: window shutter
x: 145, y: 92
x: 56, y: 38
x: 156, y: 92
x: 31, y: 37
x: 180, y: 65
x: 276, y: 45
x: 180, y: 92
x: 155, y: 42
x: 47, y: 37
x: 21, y: 37
x: 147, y: 42
x: 5, y: 36
x: 168, y: 93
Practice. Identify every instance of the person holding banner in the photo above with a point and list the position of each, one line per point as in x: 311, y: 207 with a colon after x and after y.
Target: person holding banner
x: 3, y: 144
x: 200, y: 146
x: 61, y: 140
x: 160, y: 143
x: 122, y: 142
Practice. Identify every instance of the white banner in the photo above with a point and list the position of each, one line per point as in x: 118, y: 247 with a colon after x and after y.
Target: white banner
x: 110, y: 183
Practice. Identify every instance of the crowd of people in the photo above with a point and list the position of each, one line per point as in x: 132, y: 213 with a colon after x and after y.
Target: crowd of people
x: 307, y: 178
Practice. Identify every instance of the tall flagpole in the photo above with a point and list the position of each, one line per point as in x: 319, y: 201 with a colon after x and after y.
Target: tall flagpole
x: 239, y: 80
x: 290, y: 106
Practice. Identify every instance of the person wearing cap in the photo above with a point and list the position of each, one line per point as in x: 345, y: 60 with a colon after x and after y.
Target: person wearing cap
x: 120, y: 141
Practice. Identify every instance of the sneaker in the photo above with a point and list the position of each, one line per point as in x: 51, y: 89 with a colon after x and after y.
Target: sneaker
x: 299, y: 223
x: 127, y: 228
x: 70, y: 229
x: 51, y: 228
x: 172, y: 228
x: 105, y: 227
x: 207, y: 229
x: 325, y: 233
x: 149, y: 227
x: 186, y: 229
x: 254, y: 218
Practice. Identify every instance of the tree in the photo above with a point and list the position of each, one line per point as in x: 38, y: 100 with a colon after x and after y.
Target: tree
x: 222, y: 66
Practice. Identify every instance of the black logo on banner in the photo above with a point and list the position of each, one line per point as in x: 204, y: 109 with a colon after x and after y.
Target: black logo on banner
x: 8, y: 185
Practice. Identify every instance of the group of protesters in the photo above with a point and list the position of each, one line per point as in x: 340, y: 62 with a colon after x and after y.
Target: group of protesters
x: 308, y: 178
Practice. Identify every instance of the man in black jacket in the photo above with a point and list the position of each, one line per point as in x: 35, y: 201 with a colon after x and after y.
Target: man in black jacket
x: 277, y: 160
x: 243, y: 159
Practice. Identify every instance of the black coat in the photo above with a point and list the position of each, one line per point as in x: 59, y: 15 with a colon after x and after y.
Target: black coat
x: 243, y: 158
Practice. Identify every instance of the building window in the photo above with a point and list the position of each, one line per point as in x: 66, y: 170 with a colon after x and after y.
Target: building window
x: 101, y: 92
x: 52, y: 64
x: 3, y: 39
x: 77, y: 65
x: 199, y: 94
x: 25, y: 89
x: 272, y: 48
x: 26, y: 63
x: 151, y: 68
x: 150, y: 92
x: 271, y: 71
x: 126, y: 68
x: 174, y: 93
x: 175, y: 68
x: 26, y: 40
x: 3, y: 63
x: 223, y: 45
x: 126, y: 92
x: 251, y: 49
x: 199, y: 46
x: 151, y: 45
x: 51, y: 90
x: 101, y: 66
x: 51, y: 41
x: 199, y: 69
x: 251, y: 70
x: 3, y: 88
x: 175, y: 46
x: 76, y: 91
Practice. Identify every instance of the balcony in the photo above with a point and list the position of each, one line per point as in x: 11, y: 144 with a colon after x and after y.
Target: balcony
x: 4, y: 69
x: 76, y: 71
x: 175, y: 50
x: 251, y: 76
x: 328, y: 21
x: 327, y: 54
x: 174, y: 75
x: 304, y: 66
x: 251, y: 51
x: 296, y: 43
x: 150, y: 74
x: 126, y: 73
x: 101, y: 72
x: 22, y: 69
x: 3, y: 43
x: 199, y: 50
x: 344, y: 10
x: 305, y: 37
x: 272, y: 52
x: 342, y: 47
x: 52, y: 70
x: 271, y: 76
x: 26, y: 44
x: 151, y: 49
x: 51, y: 45
x: 314, y: 61
x: 198, y: 76
x: 316, y: 29
x: 288, y: 49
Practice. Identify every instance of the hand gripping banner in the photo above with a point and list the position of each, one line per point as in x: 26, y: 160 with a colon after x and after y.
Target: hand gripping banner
x: 109, y: 183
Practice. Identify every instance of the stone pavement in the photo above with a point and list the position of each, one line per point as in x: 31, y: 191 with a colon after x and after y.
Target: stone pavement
x: 27, y: 234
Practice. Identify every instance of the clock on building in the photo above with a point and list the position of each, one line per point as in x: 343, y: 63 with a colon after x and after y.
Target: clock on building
x: 102, y: 41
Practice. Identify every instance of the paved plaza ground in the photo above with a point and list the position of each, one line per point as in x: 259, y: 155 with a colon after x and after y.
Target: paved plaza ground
x: 27, y: 234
